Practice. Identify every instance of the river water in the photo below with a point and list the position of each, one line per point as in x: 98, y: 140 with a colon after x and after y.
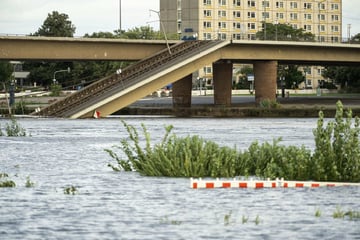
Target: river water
x: 111, y: 205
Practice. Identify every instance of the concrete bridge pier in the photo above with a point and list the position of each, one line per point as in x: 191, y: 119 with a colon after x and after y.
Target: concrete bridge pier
x: 222, y: 78
x: 181, y: 92
x: 265, y: 73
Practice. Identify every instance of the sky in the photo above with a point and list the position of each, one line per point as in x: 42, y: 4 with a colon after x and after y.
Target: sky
x: 22, y: 17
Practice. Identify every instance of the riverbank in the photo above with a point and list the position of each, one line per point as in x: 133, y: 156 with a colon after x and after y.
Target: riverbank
x: 296, y: 106
x: 242, y: 107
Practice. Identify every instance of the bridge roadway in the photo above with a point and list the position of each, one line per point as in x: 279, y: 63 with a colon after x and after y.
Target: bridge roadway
x: 73, y: 49
x: 160, y: 67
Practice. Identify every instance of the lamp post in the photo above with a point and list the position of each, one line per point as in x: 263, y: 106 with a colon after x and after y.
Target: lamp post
x: 276, y: 29
x: 163, y: 29
x: 348, y: 32
x: 66, y: 70
x: 120, y: 15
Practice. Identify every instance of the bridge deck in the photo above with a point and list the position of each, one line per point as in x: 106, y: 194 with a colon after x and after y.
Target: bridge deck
x: 133, y: 80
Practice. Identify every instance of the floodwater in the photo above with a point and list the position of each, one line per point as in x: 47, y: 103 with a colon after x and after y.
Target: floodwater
x: 111, y: 205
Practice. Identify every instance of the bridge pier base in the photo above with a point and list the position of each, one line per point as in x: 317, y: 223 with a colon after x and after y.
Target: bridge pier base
x: 181, y: 92
x: 222, y: 76
x: 265, y: 80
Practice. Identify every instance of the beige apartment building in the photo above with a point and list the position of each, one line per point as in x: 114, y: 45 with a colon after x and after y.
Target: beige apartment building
x: 242, y: 19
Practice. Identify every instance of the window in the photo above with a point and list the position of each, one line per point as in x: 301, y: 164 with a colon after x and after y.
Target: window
x: 293, y: 16
x: 207, y: 36
x: 334, y: 28
x: 222, y: 2
x: 307, y: 27
x: 321, y: 17
x: 251, y: 14
x: 251, y: 3
x: 334, y: 6
x: 207, y: 24
x: 307, y: 5
x: 322, y: 28
x: 280, y: 15
x: 334, y: 39
x: 222, y: 24
x: 334, y: 18
x: 237, y: 14
x: 207, y: 13
x: 237, y: 3
x: 308, y: 82
x: 207, y: 70
x: 251, y: 26
x: 265, y: 4
x: 237, y: 25
x: 222, y: 36
x: 279, y: 4
x: 293, y: 5
x: 222, y: 13
x: 237, y: 36
x: 307, y: 16
x: 322, y: 6
x: 265, y: 15
x: 207, y: 2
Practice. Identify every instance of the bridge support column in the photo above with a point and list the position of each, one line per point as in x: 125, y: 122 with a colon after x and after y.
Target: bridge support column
x: 265, y: 80
x: 181, y: 92
x: 222, y: 76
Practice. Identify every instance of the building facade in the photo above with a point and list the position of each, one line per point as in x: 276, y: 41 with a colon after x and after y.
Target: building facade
x: 242, y: 19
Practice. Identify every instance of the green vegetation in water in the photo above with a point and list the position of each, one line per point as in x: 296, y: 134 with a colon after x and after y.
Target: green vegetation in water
x: 70, y: 190
x: 29, y: 183
x: 269, y: 104
x: 5, y: 182
x: 336, y: 156
x: 166, y: 220
x: 13, y: 129
x: 318, y: 213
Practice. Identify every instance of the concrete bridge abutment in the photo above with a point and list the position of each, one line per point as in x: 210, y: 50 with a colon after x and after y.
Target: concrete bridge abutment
x: 222, y: 78
x: 265, y: 73
x: 181, y: 92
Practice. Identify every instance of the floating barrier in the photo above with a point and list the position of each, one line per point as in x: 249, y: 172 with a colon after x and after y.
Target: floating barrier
x: 278, y: 183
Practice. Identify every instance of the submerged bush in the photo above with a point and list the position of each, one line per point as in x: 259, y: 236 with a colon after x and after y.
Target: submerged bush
x: 337, y: 148
x: 13, y: 129
x: 5, y: 181
x: 336, y: 156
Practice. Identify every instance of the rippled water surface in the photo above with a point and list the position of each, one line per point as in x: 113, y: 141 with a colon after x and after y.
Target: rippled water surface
x: 110, y: 205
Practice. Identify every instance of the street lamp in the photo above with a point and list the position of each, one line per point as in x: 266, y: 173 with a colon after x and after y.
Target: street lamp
x: 276, y: 29
x: 163, y: 29
x: 66, y: 70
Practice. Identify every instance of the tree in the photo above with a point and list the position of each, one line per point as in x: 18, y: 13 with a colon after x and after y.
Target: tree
x: 243, y: 79
x: 355, y: 39
x: 348, y: 77
x: 56, y: 25
x: 6, y: 71
x: 284, y: 32
x: 293, y: 77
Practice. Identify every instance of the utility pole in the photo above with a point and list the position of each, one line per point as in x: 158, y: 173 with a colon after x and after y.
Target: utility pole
x: 120, y: 15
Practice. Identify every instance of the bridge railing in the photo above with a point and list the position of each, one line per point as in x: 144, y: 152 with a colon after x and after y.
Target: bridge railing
x: 128, y: 77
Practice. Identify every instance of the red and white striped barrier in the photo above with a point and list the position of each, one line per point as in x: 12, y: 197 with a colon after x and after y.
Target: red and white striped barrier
x: 278, y: 183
